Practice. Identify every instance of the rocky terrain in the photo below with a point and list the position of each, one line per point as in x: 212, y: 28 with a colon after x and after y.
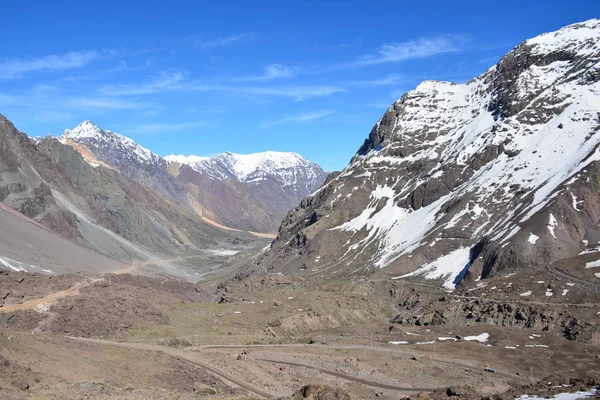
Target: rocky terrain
x: 272, y: 337
x: 459, y: 182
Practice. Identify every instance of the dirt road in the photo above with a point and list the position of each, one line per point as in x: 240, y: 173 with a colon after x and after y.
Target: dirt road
x: 46, y: 301
x: 188, y: 356
x: 369, y: 348
x: 349, y: 377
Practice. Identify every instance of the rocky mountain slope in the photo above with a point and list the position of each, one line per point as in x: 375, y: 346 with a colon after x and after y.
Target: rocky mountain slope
x: 462, y: 181
x: 244, y: 192
x: 101, y: 208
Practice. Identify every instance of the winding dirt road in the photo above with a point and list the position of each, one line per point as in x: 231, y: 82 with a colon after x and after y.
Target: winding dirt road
x: 187, y: 356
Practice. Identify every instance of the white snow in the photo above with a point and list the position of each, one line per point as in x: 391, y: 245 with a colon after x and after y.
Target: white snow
x: 597, y: 274
x: 561, y: 396
x: 287, y: 167
x: 223, y: 252
x: 525, y: 294
x: 548, y: 292
x: 448, y: 267
x: 565, y: 291
x: 575, y: 202
x: 551, y: 225
x: 446, y: 338
x: 398, y: 342
x: 431, y: 342
x: 7, y: 264
x: 126, y: 147
x: 188, y: 160
x: 568, y: 38
x: 592, y: 264
x: 479, y: 338
x: 533, y: 238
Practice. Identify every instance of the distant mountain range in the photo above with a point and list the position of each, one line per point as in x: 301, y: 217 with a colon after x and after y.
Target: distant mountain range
x: 248, y: 192
x: 295, y: 174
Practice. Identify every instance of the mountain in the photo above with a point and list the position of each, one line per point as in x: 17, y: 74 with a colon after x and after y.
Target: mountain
x: 105, y: 210
x: 464, y: 181
x: 290, y: 170
x: 283, y: 178
x: 233, y: 192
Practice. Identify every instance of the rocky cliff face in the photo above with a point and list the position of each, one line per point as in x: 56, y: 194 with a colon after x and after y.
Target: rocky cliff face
x: 461, y: 181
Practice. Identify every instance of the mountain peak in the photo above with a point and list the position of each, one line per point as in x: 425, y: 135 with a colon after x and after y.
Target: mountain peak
x: 85, y: 129
x: 118, y: 149
x: 581, y: 37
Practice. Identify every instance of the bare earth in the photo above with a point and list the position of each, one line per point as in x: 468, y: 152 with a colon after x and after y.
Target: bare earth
x: 269, y: 337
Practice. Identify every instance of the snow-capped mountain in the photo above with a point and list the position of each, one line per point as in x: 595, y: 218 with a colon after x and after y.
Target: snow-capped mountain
x: 249, y: 192
x: 464, y: 180
x: 287, y: 169
x: 116, y: 150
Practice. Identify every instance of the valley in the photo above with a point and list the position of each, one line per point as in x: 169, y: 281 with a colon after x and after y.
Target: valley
x: 456, y: 255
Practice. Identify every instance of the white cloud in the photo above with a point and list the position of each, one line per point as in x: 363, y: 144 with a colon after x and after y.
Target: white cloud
x: 47, y: 99
x: 224, y: 41
x: 164, y: 81
x: 297, y: 93
x: 271, y: 72
x: 304, y: 117
x: 54, y: 62
x: 412, y: 49
x: 385, y: 81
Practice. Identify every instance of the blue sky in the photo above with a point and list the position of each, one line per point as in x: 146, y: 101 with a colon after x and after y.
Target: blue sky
x: 202, y: 77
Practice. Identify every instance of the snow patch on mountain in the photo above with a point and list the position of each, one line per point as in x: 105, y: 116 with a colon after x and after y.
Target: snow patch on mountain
x: 287, y: 167
x: 447, y: 267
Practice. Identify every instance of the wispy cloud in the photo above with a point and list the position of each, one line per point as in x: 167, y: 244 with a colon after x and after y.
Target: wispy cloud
x: 297, y: 93
x: 304, y: 117
x: 54, y: 62
x: 105, y: 103
x: 224, y: 41
x: 45, y: 98
x: 168, y: 127
x: 393, y: 79
x: 271, y: 72
x: 163, y: 81
x: 412, y: 49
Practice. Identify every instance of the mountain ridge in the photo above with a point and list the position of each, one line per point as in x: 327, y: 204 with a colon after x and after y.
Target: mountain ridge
x: 454, y: 178
x: 240, y: 192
